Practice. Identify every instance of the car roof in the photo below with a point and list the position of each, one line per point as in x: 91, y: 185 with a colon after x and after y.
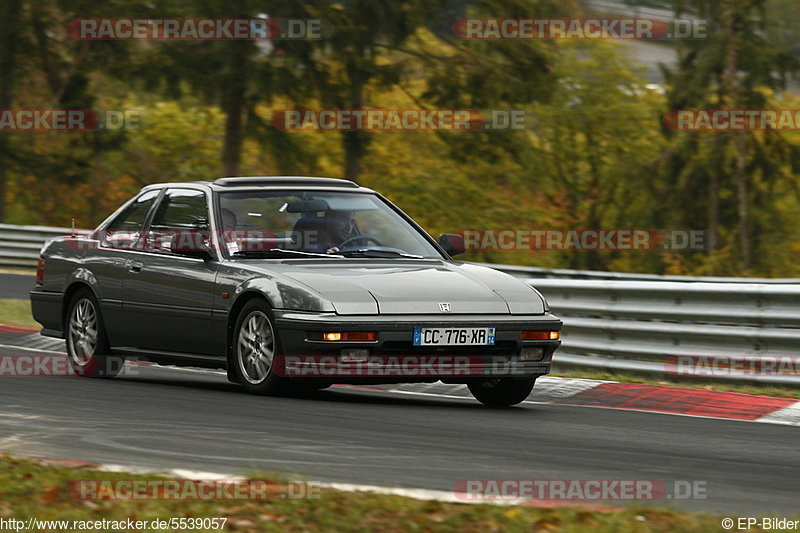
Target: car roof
x: 271, y: 182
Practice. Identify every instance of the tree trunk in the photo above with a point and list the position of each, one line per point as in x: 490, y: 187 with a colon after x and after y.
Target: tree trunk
x: 712, y: 215
x: 353, y: 151
x: 739, y: 173
x: 233, y: 107
x: 10, y: 23
x: 744, y: 205
x: 354, y: 142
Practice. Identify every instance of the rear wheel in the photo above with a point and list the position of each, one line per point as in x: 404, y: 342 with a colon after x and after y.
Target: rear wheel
x: 255, y: 346
x: 502, y: 392
x: 88, y: 351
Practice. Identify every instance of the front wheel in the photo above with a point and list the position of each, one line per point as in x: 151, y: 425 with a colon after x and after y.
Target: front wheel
x: 255, y: 346
x: 502, y: 392
x: 88, y: 350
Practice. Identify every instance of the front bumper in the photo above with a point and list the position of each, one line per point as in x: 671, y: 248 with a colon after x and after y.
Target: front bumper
x: 392, y: 357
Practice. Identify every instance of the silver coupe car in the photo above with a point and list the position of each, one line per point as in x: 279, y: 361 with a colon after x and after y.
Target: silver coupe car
x: 289, y: 282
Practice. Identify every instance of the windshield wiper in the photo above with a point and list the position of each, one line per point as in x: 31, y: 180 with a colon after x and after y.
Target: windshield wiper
x: 280, y: 252
x: 372, y: 252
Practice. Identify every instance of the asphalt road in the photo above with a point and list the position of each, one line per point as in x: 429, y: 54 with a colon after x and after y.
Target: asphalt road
x: 16, y: 285
x: 174, y: 418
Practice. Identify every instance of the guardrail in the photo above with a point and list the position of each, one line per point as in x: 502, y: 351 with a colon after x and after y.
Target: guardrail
x: 736, y: 331
x: 620, y: 321
x: 20, y: 245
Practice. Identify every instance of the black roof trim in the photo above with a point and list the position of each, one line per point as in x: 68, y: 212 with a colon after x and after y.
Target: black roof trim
x: 285, y: 181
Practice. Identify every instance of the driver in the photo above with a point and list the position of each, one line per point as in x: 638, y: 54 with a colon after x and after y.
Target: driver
x: 340, y: 227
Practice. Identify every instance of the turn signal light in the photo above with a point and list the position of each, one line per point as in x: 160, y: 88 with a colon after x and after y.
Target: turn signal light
x: 540, y: 335
x: 359, y: 336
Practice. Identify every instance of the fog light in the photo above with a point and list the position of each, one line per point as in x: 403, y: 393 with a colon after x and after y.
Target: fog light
x: 350, y: 355
x: 535, y: 353
x: 351, y: 336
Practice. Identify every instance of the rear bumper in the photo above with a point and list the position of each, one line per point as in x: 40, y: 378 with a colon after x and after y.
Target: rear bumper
x: 46, y: 308
x: 393, y: 358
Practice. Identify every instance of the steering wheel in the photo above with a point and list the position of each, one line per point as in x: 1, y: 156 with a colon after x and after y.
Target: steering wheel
x: 365, y: 238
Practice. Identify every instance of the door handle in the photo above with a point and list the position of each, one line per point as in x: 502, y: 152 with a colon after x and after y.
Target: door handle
x: 134, y: 266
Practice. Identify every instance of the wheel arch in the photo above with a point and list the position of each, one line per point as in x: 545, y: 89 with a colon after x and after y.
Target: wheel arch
x: 69, y: 293
x: 233, y: 316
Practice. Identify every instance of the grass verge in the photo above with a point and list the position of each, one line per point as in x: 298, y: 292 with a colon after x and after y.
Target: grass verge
x: 17, y: 313
x: 30, y: 489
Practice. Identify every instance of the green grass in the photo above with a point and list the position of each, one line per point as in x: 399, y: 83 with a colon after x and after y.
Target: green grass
x: 29, y: 489
x: 17, y: 313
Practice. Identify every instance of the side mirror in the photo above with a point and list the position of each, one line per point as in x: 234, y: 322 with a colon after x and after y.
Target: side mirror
x: 453, y: 243
x: 191, y: 243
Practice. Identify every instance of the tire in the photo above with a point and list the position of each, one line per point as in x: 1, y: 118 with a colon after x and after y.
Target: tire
x: 502, y: 392
x: 88, y: 350
x: 255, y: 343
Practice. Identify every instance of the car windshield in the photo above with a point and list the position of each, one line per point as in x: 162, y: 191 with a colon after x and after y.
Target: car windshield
x: 269, y: 223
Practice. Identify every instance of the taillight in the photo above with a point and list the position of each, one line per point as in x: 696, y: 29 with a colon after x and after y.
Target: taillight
x: 40, y: 272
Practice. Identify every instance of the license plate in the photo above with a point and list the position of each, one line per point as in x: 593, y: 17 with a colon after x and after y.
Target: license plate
x: 453, y: 336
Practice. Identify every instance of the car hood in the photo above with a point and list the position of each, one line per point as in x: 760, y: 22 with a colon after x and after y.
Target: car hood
x: 400, y: 287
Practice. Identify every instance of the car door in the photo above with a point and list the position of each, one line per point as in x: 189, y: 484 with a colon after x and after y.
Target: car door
x: 169, y: 297
x: 116, y: 242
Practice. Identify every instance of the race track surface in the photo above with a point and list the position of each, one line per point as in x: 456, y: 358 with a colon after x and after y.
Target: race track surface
x: 16, y: 285
x: 175, y: 418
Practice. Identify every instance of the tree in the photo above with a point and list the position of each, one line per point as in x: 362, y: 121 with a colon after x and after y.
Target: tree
x: 594, y: 144
x: 344, y: 68
x: 11, y: 29
x: 734, y: 68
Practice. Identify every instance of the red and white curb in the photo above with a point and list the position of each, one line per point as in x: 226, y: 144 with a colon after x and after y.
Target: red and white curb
x: 642, y: 397
x: 684, y: 401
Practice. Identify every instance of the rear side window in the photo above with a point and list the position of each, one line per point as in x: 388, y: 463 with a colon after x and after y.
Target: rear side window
x: 124, y: 231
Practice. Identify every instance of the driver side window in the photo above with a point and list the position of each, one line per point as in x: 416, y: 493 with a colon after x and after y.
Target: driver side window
x: 124, y: 231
